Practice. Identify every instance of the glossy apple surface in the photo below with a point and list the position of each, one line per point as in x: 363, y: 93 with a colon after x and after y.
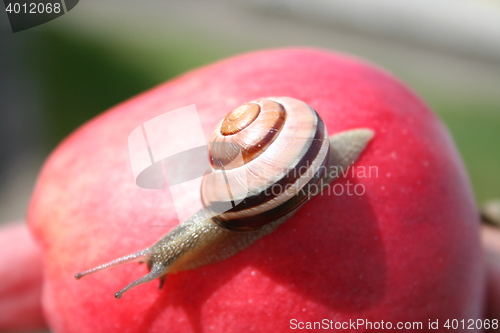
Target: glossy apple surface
x: 407, y: 249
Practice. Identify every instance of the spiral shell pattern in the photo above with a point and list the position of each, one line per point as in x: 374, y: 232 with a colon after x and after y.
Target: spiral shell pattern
x: 265, y: 155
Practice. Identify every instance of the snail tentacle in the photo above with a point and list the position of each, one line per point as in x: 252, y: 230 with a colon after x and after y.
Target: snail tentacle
x: 155, y: 273
x: 138, y: 256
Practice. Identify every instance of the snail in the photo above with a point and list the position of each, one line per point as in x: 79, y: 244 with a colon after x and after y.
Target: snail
x: 266, y: 157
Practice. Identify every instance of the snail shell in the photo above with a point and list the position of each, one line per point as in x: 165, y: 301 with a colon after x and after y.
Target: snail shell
x: 263, y: 154
x: 282, y: 145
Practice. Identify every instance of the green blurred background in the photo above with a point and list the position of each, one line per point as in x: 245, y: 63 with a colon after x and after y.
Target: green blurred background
x: 56, y: 76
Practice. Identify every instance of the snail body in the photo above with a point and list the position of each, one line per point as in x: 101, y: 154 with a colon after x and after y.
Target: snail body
x: 266, y: 156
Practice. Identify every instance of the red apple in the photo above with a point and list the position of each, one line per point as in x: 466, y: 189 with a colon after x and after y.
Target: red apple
x: 406, y: 250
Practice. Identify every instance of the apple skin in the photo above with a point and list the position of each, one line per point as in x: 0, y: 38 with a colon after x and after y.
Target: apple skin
x: 406, y: 250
